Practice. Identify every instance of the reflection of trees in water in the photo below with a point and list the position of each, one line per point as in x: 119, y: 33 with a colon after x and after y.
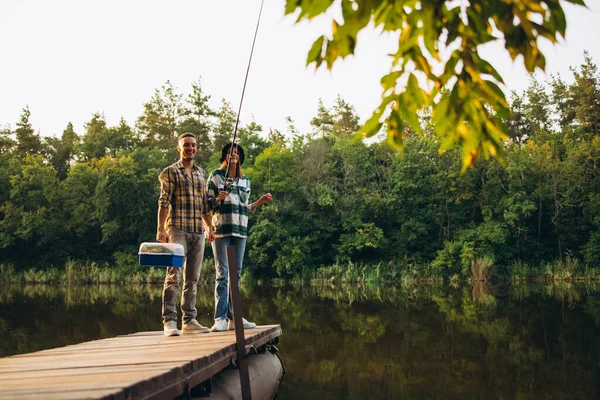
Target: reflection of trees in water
x: 482, y: 292
x: 353, y: 341
x: 434, y: 342
x: 36, y: 317
x: 95, y: 294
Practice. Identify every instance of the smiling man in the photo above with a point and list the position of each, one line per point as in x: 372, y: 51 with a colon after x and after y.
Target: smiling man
x: 182, y: 207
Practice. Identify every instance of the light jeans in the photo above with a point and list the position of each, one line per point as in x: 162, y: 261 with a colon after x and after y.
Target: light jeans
x: 193, y: 245
x: 223, y: 308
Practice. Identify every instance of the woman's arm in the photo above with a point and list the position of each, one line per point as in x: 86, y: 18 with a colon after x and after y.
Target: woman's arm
x: 265, y: 198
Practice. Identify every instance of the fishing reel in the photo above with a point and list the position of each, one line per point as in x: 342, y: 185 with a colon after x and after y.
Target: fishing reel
x: 229, y: 183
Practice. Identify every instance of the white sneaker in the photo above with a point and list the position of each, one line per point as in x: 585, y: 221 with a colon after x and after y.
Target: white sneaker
x: 194, y: 327
x: 219, y: 326
x: 246, y: 324
x: 170, y: 328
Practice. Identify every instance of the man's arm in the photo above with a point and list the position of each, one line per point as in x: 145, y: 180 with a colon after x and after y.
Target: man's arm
x: 161, y: 233
x: 208, y: 227
x: 164, y: 200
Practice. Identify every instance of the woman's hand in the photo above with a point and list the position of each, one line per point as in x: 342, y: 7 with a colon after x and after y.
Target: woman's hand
x: 266, y: 198
x: 222, y: 195
x: 210, y: 235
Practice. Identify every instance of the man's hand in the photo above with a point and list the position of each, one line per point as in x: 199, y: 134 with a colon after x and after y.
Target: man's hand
x: 161, y: 236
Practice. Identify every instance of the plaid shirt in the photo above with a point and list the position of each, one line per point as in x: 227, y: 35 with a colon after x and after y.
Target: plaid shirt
x: 230, y: 217
x: 185, y: 197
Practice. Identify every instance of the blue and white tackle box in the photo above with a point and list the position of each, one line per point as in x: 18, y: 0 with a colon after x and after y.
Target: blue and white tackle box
x: 155, y: 254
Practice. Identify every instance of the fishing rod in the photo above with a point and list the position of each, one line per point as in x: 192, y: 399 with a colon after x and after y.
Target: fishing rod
x: 230, y: 181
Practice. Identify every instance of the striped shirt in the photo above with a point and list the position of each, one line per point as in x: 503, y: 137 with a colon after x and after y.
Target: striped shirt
x: 230, y: 216
x: 184, y: 196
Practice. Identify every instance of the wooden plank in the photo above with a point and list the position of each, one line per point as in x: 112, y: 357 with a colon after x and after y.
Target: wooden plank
x: 172, y: 352
x: 134, y: 340
x: 142, y: 365
x: 91, y: 371
x: 90, y: 393
x: 132, y: 383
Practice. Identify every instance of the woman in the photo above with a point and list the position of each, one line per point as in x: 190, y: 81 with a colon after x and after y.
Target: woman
x: 228, y: 193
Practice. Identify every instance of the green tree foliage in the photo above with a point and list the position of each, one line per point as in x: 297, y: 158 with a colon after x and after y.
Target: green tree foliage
x: 439, y: 46
x: 338, y: 202
x: 162, y: 115
x: 94, y: 142
x: 252, y: 142
x: 101, y: 140
x: 61, y: 152
x: 585, y: 96
x: 28, y: 142
x: 323, y: 121
x: 197, y: 119
x: 345, y: 119
x: 223, y: 131
x: 6, y: 141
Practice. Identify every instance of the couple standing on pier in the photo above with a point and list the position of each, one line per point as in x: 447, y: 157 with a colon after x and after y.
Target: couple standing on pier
x: 187, y: 199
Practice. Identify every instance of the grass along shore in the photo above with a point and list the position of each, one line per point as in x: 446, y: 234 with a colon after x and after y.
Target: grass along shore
x: 481, y: 270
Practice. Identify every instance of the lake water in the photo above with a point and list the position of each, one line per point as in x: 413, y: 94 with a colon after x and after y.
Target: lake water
x: 393, y: 341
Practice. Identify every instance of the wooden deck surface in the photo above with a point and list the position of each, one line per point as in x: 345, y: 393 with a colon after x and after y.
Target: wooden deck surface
x: 142, y: 365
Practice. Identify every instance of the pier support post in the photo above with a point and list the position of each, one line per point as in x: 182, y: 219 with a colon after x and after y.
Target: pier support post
x: 236, y: 303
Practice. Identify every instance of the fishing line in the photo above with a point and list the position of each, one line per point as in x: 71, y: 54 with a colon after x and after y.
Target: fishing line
x: 243, y: 91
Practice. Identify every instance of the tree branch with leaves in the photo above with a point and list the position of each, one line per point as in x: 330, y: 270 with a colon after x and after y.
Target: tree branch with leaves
x: 437, y: 64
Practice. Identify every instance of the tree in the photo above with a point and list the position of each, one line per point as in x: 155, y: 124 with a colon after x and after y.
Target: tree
x: 62, y: 151
x: 94, y: 142
x: 427, y: 30
x: 518, y: 126
x: 120, y: 137
x: 323, y: 121
x: 28, y: 142
x: 225, y: 126
x: 563, y: 102
x: 537, y: 107
x: 162, y: 114
x: 252, y: 143
x: 29, y: 225
x: 276, y: 137
x: 6, y: 142
x: 196, y: 119
x: 586, y: 96
x: 345, y: 119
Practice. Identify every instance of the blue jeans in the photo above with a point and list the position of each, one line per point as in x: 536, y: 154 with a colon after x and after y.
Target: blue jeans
x: 193, y: 245
x: 223, y: 307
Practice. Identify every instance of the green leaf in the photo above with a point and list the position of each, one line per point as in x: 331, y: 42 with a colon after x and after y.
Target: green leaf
x: 494, y: 93
x: 395, y: 130
x: 309, y: 8
x: 408, y: 113
x: 389, y: 81
x: 315, y: 52
x: 440, y: 109
x: 372, y: 126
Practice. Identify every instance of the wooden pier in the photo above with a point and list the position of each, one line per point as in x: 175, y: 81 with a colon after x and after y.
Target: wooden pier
x: 144, y: 365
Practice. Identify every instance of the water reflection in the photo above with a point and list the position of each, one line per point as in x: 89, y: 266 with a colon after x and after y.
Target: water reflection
x: 358, y: 341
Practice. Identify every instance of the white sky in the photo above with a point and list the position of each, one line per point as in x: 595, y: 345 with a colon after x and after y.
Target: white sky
x: 69, y: 59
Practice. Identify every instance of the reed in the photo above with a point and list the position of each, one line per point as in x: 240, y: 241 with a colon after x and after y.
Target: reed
x: 481, y: 268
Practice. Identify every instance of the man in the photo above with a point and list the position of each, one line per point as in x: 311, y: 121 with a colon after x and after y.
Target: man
x: 182, y: 206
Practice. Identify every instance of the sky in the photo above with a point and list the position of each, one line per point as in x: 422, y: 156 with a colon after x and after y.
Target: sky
x: 66, y: 60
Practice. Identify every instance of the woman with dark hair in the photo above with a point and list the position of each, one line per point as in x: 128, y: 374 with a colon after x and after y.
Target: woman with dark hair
x: 228, y: 194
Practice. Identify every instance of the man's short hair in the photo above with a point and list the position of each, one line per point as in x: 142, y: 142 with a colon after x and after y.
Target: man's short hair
x: 184, y: 135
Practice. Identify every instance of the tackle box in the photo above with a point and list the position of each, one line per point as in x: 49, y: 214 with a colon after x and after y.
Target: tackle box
x: 154, y: 254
